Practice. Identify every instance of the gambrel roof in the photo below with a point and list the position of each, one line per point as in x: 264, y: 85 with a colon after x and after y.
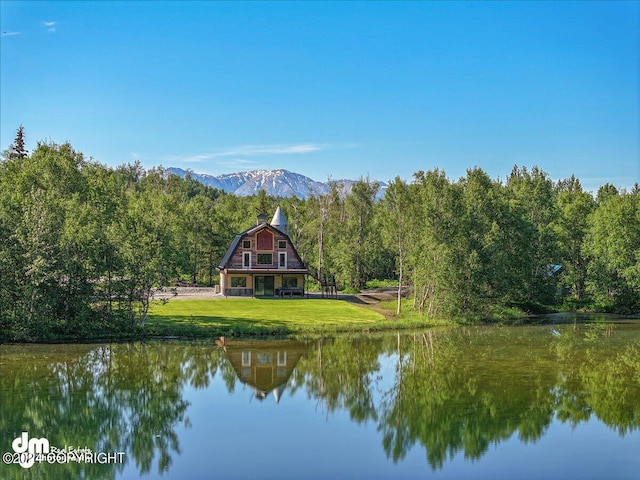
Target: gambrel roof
x: 251, y: 232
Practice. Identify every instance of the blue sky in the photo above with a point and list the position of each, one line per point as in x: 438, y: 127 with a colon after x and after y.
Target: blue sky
x: 330, y: 89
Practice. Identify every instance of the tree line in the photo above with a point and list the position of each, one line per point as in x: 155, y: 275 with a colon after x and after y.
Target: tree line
x: 469, y: 246
x: 82, y: 245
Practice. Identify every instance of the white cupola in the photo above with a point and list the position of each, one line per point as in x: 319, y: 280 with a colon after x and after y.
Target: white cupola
x: 279, y: 221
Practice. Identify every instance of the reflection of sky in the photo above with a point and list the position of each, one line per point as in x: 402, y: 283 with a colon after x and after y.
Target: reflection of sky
x: 237, y: 436
x: 591, y: 449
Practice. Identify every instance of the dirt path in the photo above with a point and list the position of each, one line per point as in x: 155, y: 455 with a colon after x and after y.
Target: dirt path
x: 372, y: 298
x: 186, y: 293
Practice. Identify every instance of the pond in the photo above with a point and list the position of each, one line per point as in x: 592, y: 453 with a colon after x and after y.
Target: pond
x: 528, y: 402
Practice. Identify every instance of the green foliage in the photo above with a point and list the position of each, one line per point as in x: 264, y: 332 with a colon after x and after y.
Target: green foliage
x: 381, y: 283
x: 532, y: 192
x: 350, y: 290
x: 82, y: 245
x: 436, y: 214
x: 396, y: 218
x: 573, y: 209
x: 612, y: 248
x: 44, y: 280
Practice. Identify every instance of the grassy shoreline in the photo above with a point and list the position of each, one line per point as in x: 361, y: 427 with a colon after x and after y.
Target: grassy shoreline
x: 277, y: 318
x: 253, y: 317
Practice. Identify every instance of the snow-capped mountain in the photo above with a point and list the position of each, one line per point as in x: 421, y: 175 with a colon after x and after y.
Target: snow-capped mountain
x: 278, y: 183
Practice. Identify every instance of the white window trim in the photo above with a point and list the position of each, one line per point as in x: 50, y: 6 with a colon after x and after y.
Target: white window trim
x: 282, y: 359
x: 280, y: 254
x: 246, y: 359
x: 244, y: 256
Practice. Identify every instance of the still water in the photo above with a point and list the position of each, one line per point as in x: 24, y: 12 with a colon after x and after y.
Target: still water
x: 526, y: 402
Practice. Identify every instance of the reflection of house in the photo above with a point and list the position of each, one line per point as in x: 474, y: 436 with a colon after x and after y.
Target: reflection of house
x: 262, y: 261
x: 265, y: 365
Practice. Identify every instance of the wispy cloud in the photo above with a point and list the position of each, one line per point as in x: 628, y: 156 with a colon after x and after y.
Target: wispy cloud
x: 280, y: 149
x: 244, y: 151
x: 50, y: 26
x: 190, y: 158
x: 236, y: 161
x: 10, y: 34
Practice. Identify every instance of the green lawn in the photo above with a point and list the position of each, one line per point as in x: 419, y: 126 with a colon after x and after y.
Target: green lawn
x: 251, y: 316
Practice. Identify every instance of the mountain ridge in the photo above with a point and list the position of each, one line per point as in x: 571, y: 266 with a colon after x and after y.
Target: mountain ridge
x: 278, y: 183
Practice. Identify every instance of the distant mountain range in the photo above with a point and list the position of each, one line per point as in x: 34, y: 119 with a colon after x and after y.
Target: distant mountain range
x: 278, y: 183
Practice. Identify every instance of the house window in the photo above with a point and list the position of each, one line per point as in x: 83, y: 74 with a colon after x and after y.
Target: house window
x: 246, y: 359
x: 290, y: 282
x: 282, y: 359
x: 282, y: 244
x: 246, y: 259
x: 246, y: 244
x: 239, y: 282
x: 264, y: 358
x: 265, y: 259
x: 282, y: 260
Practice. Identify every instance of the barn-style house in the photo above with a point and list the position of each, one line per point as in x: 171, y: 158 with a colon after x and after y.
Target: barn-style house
x: 263, y: 262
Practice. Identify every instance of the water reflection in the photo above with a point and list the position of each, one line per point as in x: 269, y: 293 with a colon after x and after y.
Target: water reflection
x: 449, y: 392
x: 263, y: 366
x: 472, y: 391
x: 109, y: 398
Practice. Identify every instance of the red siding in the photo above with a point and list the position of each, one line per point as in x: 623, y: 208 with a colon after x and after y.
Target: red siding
x: 264, y: 239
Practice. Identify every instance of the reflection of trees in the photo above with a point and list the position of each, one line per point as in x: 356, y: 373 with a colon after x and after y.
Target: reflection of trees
x: 603, y: 378
x: 609, y: 389
x: 453, y: 391
x: 452, y: 399
x: 109, y: 398
x: 460, y: 391
x: 340, y: 374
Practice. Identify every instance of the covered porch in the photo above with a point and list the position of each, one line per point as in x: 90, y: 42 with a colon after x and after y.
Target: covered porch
x: 262, y: 283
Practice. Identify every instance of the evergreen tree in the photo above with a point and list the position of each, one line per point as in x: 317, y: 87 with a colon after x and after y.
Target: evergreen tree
x: 16, y: 150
